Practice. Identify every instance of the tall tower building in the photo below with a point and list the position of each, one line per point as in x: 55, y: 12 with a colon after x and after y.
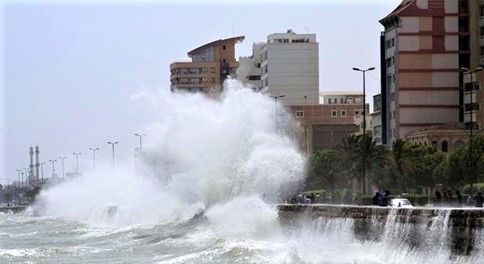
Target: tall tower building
x: 37, y: 163
x: 424, y: 44
x: 290, y: 67
x: 210, y: 65
x: 475, y: 86
x: 30, y: 177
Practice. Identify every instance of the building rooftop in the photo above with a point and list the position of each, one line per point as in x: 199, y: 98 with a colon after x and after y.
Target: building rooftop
x: 341, y: 93
x: 401, y: 7
x: 215, y: 43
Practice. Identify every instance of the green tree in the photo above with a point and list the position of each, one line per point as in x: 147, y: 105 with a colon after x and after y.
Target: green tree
x: 325, y: 170
x: 357, y: 151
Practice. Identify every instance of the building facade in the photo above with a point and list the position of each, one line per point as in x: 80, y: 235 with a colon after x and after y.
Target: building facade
x: 473, y: 94
x: 249, y: 71
x: 210, y: 65
x: 326, y: 125
x: 375, y: 119
x: 341, y: 97
x: 290, y: 67
x: 423, y: 46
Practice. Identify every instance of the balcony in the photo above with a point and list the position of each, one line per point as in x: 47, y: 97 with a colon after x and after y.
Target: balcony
x: 471, y: 107
x: 469, y: 87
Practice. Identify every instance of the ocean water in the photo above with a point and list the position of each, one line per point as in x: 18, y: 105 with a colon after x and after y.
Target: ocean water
x: 221, y: 236
x: 204, y: 192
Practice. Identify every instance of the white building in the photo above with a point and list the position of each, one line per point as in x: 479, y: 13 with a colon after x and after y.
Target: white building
x: 289, y: 64
x: 341, y: 97
x: 249, y: 71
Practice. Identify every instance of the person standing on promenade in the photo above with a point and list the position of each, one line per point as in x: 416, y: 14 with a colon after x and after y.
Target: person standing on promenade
x: 479, y: 200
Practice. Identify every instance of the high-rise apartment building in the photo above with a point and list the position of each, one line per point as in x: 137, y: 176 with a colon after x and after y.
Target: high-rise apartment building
x: 289, y: 64
x: 210, y: 65
x: 424, y: 44
x: 249, y: 71
x: 374, y: 125
x: 475, y: 86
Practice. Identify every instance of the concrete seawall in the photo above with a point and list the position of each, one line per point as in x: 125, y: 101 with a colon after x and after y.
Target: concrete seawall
x: 462, y: 226
x: 14, y: 209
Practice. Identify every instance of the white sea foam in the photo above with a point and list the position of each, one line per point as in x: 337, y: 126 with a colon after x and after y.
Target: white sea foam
x: 207, y: 153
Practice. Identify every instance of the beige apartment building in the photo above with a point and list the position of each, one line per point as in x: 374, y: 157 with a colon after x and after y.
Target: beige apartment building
x: 210, y: 65
x: 447, y: 137
x: 326, y: 125
x: 474, y: 87
x: 287, y: 64
x: 423, y: 46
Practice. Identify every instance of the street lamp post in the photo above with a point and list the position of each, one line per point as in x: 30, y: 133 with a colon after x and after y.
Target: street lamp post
x: 363, y: 170
x: 22, y: 181
x: 94, y: 149
x: 140, y: 139
x: 62, y: 165
x: 26, y: 178
x: 472, y: 74
x: 112, y: 149
x: 77, y: 160
x: 19, y: 176
x: 42, y: 171
x: 53, y: 167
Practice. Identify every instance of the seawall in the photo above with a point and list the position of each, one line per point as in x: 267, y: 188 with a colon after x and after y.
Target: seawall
x: 461, y: 227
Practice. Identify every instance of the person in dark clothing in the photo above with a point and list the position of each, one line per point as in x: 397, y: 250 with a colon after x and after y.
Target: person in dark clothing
x: 445, y: 198
x: 459, y: 198
x: 479, y: 200
x: 376, y: 198
x: 385, y: 198
x: 438, y: 196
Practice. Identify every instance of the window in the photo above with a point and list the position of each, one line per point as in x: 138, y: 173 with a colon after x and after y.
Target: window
x: 254, y: 78
x: 357, y: 113
x: 341, y: 100
x: 212, y: 79
x: 482, y: 31
x: 300, y: 114
x: 329, y: 100
x: 334, y: 113
x: 482, y: 10
x: 445, y: 146
x: 388, y: 62
x: 223, y: 47
x: 343, y: 113
x: 482, y: 51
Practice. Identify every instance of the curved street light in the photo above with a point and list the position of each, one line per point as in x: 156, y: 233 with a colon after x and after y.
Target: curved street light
x: 363, y: 170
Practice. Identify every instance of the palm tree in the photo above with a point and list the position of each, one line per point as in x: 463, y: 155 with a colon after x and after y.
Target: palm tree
x: 352, y: 151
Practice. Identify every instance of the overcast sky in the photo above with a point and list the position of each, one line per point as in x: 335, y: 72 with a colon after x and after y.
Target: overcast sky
x: 69, y: 68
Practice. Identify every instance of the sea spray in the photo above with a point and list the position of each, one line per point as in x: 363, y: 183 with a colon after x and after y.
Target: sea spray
x: 205, y: 152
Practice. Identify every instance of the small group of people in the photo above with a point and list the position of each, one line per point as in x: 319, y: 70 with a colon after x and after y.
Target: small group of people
x: 382, y: 198
x: 301, y: 198
x: 448, y: 198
